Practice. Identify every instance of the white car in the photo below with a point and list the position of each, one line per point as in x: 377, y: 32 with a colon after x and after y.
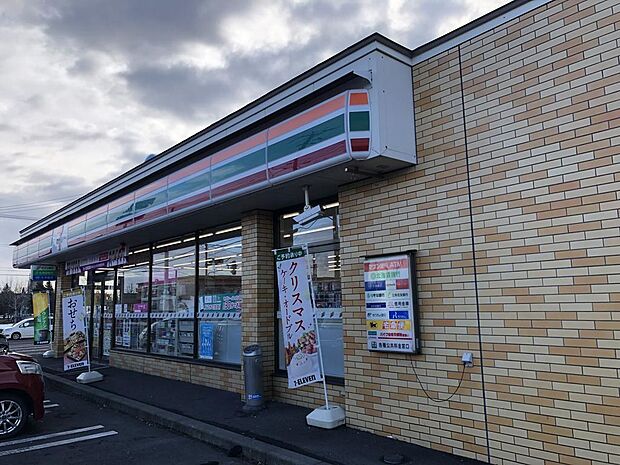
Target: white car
x: 24, y: 328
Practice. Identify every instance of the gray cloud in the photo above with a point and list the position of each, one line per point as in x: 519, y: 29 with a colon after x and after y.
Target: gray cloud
x: 92, y: 86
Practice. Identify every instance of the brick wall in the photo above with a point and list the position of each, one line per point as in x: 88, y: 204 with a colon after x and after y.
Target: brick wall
x: 258, y: 317
x: 542, y: 104
x: 424, y: 208
x: 206, y: 375
x: 537, y: 146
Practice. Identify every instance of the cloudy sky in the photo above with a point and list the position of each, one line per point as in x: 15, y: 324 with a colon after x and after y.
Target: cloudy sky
x: 89, y: 88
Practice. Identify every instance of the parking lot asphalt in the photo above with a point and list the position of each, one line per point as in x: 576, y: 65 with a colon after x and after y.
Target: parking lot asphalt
x: 75, y: 431
x: 26, y: 346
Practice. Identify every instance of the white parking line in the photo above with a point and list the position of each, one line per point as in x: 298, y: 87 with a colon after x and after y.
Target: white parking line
x: 50, y: 435
x: 57, y: 443
x: 48, y: 406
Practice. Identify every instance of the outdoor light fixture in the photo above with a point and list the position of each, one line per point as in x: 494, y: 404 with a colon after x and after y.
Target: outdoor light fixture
x: 223, y: 231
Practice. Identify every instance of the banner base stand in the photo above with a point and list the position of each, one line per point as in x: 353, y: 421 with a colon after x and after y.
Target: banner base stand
x: 89, y: 377
x: 326, y: 418
x: 49, y: 354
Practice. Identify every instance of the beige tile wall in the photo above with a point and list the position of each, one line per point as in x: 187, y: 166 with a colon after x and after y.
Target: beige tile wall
x: 542, y: 111
x: 424, y: 208
x: 542, y: 103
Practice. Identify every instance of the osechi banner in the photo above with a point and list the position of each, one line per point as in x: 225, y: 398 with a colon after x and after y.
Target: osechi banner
x: 41, y: 313
x: 74, y: 330
x: 297, y: 314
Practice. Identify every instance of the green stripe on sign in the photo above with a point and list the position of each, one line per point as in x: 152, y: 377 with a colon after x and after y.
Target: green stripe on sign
x: 307, y: 138
x: 194, y: 184
x: 241, y: 165
x: 151, y: 200
x: 359, y: 121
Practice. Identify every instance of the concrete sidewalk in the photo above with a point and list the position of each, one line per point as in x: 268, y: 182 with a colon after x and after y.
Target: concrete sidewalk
x: 274, y: 436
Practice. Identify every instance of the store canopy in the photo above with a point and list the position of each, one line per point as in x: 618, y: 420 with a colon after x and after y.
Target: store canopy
x: 356, y: 120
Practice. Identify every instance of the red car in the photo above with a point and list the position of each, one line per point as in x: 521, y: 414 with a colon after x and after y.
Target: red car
x: 21, y: 393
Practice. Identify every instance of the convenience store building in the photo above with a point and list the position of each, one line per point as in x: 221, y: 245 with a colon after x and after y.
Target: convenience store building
x: 494, y: 152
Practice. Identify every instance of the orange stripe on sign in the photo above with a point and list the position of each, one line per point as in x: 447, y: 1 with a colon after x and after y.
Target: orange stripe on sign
x: 188, y: 170
x: 98, y: 211
x: 307, y: 117
x: 123, y: 200
x: 236, y: 149
x: 151, y: 187
x: 358, y: 99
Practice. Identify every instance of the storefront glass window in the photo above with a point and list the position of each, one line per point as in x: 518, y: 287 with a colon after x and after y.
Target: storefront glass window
x: 131, y: 310
x: 321, y: 237
x: 173, y: 292
x: 219, y: 296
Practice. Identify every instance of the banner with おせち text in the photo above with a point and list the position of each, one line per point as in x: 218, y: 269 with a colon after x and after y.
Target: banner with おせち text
x: 74, y: 330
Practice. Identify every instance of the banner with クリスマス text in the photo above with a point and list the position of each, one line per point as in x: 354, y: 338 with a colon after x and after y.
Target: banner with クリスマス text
x: 301, y: 351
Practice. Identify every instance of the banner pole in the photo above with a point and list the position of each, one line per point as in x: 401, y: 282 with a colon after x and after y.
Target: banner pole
x: 86, y: 329
x: 316, y: 327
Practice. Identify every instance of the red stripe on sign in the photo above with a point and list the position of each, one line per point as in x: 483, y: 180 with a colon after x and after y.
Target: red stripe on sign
x: 75, y: 241
x: 386, y: 265
x: 150, y: 215
x: 122, y: 225
x: 360, y: 145
x: 339, y: 148
x: 240, y: 183
x: 188, y: 202
x: 93, y: 235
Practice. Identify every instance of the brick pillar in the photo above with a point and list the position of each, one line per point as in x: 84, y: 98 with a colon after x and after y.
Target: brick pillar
x: 258, y: 316
x: 63, y: 283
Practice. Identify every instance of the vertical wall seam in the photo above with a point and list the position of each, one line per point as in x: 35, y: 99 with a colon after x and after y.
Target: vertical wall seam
x: 473, y: 250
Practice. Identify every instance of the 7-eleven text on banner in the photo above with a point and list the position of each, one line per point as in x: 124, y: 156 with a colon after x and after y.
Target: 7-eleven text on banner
x: 300, y: 339
x: 74, y: 330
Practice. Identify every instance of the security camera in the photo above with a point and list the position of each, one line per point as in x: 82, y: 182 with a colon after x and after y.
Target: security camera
x: 309, y: 215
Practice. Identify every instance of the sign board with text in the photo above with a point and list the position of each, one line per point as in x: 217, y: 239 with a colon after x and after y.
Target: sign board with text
x: 391, y: 303
x: 43, y: 272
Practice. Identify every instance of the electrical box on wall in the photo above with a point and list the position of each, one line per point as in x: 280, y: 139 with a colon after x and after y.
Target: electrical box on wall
x: 390, y: 289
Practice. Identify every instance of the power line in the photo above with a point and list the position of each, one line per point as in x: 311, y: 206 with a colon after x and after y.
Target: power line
x: 18, y: 217
x: 58, y: 199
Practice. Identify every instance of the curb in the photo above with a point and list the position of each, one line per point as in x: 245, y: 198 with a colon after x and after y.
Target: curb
x: 252, y: 449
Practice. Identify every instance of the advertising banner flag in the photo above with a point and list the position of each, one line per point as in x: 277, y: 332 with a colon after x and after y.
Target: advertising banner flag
x: 41, y: 312
x: 74, y: 330
x: 391, y: 303
x: 301, y: 348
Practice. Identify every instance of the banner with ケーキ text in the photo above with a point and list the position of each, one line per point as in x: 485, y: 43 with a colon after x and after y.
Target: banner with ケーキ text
x: 301, y: 349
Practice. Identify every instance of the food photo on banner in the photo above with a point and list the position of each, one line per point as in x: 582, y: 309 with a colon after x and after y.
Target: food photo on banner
x: 74, y: 330
x: 301, y: 348
x: 41, y: 313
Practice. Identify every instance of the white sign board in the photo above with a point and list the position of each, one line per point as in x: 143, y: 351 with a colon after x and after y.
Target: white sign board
x: 391, y: 303
x: 301, y: 349
x: 74, y: 330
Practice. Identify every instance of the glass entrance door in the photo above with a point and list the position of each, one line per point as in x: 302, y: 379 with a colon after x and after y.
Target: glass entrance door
x: 95, y: 342
x: 107, y: 313
x: 100, y: 314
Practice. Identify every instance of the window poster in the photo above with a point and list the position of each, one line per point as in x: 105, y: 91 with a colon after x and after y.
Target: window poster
x: 205, y: 350
x: 391, y: 303
x: 301, y: 348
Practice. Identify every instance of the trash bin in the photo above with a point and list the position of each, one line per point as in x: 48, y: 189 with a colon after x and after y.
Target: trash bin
x: 253, y: 376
